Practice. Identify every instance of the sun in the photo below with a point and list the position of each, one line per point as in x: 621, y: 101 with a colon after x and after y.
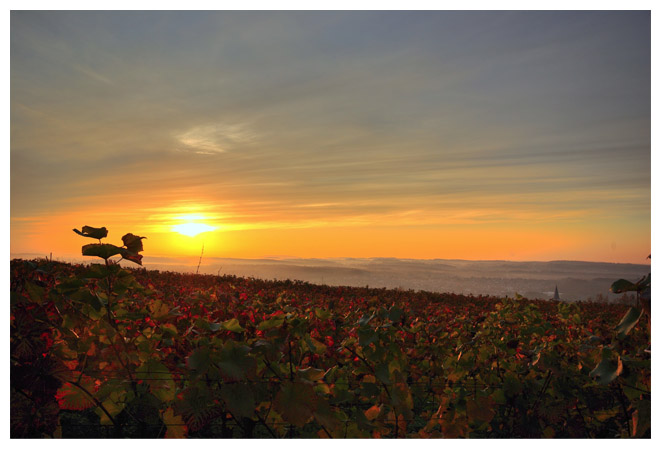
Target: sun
x: 191, y: 229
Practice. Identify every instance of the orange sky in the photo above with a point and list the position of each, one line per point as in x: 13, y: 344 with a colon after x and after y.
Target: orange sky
x: 466, y: 239
x: 337, y: 134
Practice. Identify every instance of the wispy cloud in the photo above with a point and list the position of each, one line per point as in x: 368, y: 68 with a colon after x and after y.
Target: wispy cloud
x: 92, y: 74
x: 219, y: 138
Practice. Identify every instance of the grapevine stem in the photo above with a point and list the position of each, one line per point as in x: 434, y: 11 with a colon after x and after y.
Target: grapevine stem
x: 290, y: 362
x: 584, y: 422
x: 325, y: 430
x: 261, y: 420
x: 623, y: 407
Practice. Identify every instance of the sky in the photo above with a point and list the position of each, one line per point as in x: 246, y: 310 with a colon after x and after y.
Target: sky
x: 412, y: 134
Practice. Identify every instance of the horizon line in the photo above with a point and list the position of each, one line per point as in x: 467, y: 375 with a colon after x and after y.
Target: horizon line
x: 275, y: 258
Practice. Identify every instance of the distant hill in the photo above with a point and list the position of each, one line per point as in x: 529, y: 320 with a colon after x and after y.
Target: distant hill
x: 576, y: 280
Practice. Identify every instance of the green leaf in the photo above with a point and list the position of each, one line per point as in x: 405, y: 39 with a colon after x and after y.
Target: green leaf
x: 176, y: 427
x: 322, y: 313
x: 402, y: 400
x: 97, y: 271
x: 232, y: 325
x: 239, y: 399
x: 169, y: 330
x: 367, y: 336
x: 314, y: 345
x: 608, y: 369
x: 159, y: 310
x: 234, y: 362
x: 114, y: 404
x: 87, y: 297
x: 159, y: 379
x: 94, y: 233
x: 641, y: 418
x: 512, y: 385
x: 365, y: 319
x: 311, y: 374
x: 382, y: 373
x: 628, y: 321
x: 70, y: 285
x: 623, y: 285
x: 395, y: 314
x: 481, y: 408
x: 296, y: 402
x: 271, y: 323
x: 199, y: 360
x: 102, y: 250
x: 35, y: 292
x: 325, y: 416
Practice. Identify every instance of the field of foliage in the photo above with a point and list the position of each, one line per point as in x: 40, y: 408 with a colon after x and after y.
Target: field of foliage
x: 103, y: 351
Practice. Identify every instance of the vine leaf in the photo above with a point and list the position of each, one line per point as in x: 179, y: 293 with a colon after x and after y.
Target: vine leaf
x: 133, y: 243
x: 159, y: 379
x: 176, y: 427
x: 296, y: 402
x: 608, y: 369
x: 234, y: 362
x: 70, y: 397
x: 622, y: 286
x: 102, y: 250
x: 136, y: 258
x: 628, y: 321
x: 232, y: 325
x: 481, y: 408
x: 94, y: 233
x: 325, y: 416
x: 270, y: 323
x: 199, y: 360
x: 372, y: 413
x: 239, y: 399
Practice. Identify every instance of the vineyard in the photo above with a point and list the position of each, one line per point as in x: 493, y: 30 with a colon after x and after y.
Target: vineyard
x: 104, y: 351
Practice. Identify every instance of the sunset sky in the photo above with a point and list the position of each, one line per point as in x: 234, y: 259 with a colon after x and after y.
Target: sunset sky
x: 432, y: 134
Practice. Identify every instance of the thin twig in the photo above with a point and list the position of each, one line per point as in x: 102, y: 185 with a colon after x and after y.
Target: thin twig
x: 200, y: 259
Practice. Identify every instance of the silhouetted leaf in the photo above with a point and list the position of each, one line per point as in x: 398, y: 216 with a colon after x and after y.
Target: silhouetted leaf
x: 133, y: 243
x: 102, y: 250
x: 623, y: 285
x: 94, y: 233
x: 128, y: 255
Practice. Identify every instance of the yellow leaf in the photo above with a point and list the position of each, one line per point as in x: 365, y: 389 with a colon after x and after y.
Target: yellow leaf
x: 175, y: 425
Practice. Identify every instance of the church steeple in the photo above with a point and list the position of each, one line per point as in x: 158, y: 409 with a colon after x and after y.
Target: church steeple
x: 556, y: 297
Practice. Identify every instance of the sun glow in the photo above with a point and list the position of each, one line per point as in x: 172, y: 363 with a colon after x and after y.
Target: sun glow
x: 191, y: 229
